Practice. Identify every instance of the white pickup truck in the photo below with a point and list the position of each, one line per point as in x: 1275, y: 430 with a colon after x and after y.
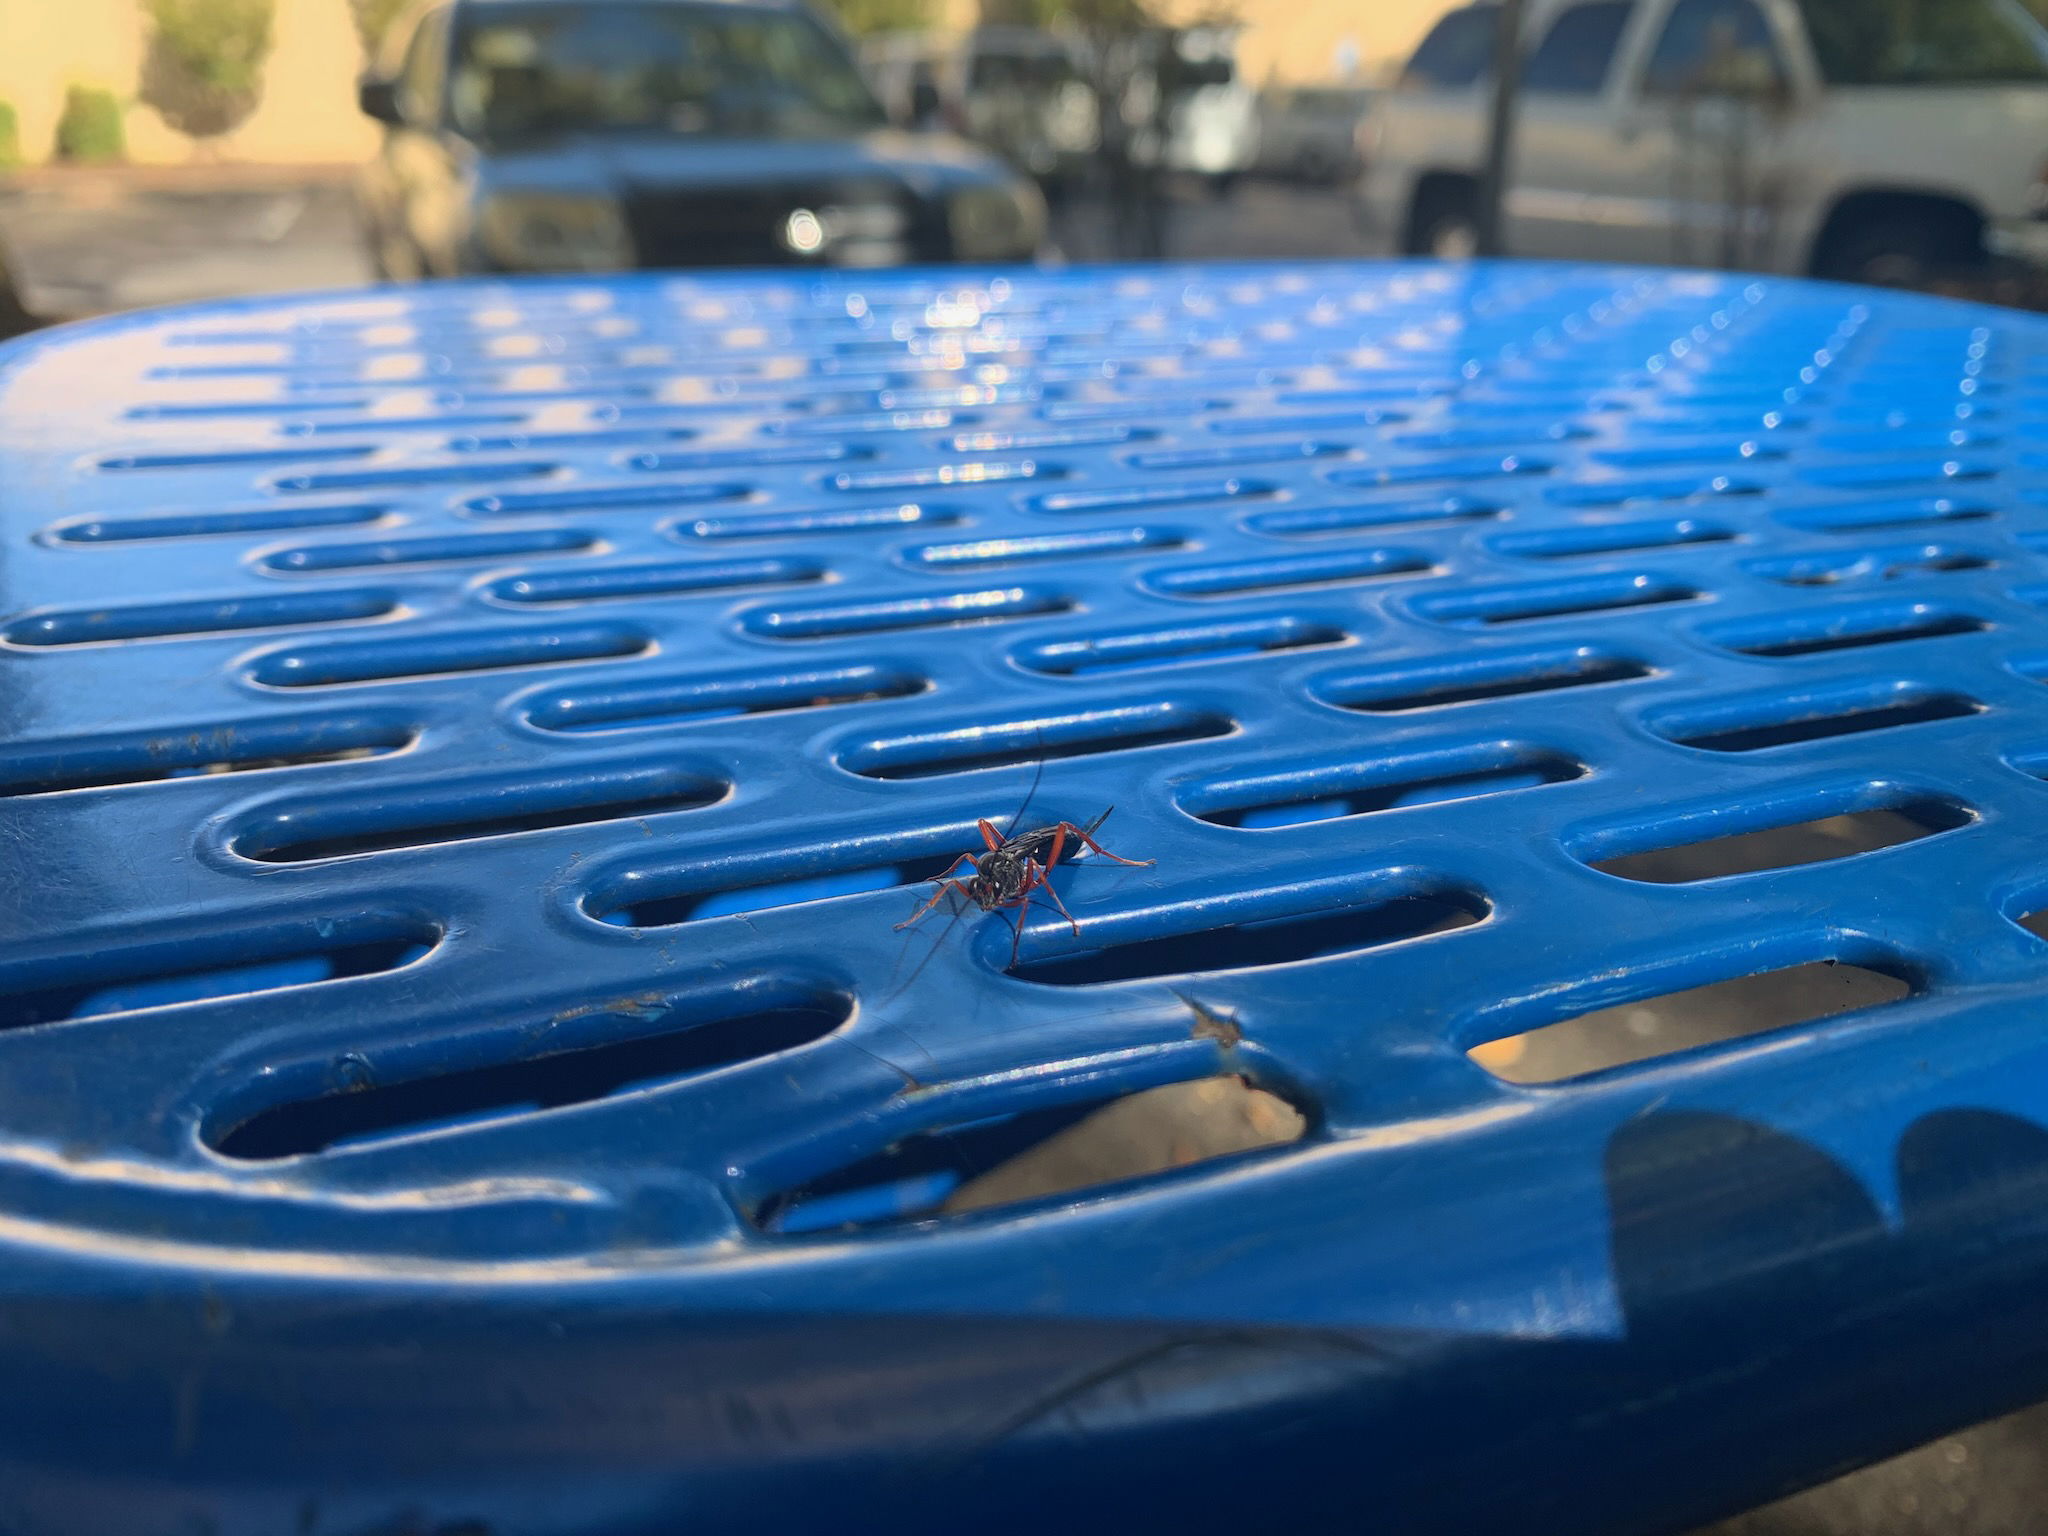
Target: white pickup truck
x: 1879, y: 142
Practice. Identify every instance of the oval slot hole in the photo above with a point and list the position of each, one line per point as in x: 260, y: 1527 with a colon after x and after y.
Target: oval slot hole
x: 118, y: 987
x: 597, y: 498
x: 1308, y: 521
x: 1816, y: 634
x: 1469, y: 682
x: 1285, y: 940
x: 1005, y: 745
x: 52, y: 767
x: 1611, y: 539
x: 1795, y: 722
x: 607, y: 583
x: 174, y: 621
x: 1092, y: 655
x: 1123, y: 498
x: 445, y: 550
x: 191, y: 525
x: 765, y: 894
x: 1322, y: 796
x: 1833, y: 569
x: 401, y: 479
x: 1862, y: 516
x: 652, y: 1044
x: 971, y: 554
x: 442, y: 656
x: 783, y: 525
x: 1787, y: 847
x: 1422, y: 473
x: 228, y: 457
x: 1632, y: 1033
x: 658, y: 701
x: 424, y: 816
x: 951, y: 611
x: 1514, y: 605
x: 1247, y: 578
x: 1040, y: 1155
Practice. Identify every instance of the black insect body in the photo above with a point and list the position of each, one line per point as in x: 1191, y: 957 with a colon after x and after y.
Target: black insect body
x: 1016, y: 866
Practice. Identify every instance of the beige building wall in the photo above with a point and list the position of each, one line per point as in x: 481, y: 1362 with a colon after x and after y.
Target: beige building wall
x: 1290, y: 42
x: 307, y: 114
x: 1329, y: 42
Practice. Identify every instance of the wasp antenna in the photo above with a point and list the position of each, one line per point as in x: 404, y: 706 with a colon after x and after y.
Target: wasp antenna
x: 1037, y: 777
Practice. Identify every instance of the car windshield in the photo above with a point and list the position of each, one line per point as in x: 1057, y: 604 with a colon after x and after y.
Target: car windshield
x: 531, y: 71
x: 1925, y: 42
x: 1458, y: 50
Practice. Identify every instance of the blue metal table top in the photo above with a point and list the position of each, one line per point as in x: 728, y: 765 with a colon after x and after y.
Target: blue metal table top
x: 464, y: 753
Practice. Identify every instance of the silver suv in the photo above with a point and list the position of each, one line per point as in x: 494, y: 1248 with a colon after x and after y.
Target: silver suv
x: 1875, y: 142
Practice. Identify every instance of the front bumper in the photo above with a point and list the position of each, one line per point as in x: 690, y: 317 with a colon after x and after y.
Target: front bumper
x: 2024, y: 241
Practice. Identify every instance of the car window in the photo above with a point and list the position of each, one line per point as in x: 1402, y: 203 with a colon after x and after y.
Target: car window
x: 424, y: 74
x: 1019, y: 71
x: 1458, y: 50
x: 1573, y: 59
x: 588, y: 66
x: 1712, y: 47
x: 1925, y: 42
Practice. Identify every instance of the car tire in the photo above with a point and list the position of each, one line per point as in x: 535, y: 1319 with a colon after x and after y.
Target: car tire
x: 14, y: 315
x: 393, y: 257
x: 1891, y: 252
x: 1444, y: 223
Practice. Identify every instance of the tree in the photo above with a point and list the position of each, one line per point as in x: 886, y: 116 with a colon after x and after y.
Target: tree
x: 204, y: 67
x: 373, y: 21
x: 861, y: 17
x: 89, y: 132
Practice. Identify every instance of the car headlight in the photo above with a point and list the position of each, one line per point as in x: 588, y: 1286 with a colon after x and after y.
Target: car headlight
x: 547, y: 232
x: 996, y: 223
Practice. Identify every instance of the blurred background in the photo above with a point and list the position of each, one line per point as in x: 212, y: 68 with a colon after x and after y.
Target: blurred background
x: 156, y: 151
x: 160, y: 150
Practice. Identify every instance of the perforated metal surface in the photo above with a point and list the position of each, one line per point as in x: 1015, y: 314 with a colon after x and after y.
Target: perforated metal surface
x: 399, y: 689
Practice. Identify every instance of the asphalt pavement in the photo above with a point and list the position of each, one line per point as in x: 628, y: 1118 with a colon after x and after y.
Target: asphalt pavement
x: 88, y: 242
x: 92, y: 242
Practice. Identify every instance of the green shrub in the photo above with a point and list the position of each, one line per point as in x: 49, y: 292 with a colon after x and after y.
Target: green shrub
x: 90, y: 132
x: 10, y: 137
x: 204, y: 67
x: 861, y: 17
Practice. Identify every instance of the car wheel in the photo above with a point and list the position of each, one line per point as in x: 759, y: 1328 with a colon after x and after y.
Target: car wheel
x: 14, y: 315
x: 1313, y: 166
x: 1444, y: 225
x: 394, y: 258
x: 1891, y: 253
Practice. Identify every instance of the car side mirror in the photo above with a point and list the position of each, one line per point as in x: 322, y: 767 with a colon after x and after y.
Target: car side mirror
x: 378, y: 98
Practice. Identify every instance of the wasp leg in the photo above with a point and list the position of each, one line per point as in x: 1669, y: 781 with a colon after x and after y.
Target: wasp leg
x: 1044, y: 883
x: 1059, y: 844
x: 1017, y: 923
x: 945, y: 883
x: 1068, y: 826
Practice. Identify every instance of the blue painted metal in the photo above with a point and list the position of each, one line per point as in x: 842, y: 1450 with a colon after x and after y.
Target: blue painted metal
x: 402, y: 689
